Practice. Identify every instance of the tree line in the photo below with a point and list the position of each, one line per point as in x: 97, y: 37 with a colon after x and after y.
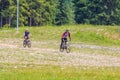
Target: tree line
x: 59, y: 12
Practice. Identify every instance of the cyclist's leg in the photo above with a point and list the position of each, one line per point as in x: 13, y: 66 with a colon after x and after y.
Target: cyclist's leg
x: 61, y: 42
x: 65, y: 40
x: 24, y: 38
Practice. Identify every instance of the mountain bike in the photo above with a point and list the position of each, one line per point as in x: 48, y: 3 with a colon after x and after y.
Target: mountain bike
x: 65, y: 46
x: 26, y: 42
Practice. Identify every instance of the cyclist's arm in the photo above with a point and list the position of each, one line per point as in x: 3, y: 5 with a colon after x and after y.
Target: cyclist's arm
x: 69, y: 36
x: 30, y: 35
x: 63, y: 34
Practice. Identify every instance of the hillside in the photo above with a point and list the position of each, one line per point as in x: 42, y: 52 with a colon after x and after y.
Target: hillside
x: 95, y: 53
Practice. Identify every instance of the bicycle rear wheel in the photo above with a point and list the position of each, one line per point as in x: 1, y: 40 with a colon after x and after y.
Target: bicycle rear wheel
x: 29, y: 44
x: 61, y: 48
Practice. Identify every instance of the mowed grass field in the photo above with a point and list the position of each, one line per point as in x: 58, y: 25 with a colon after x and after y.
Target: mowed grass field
x: 95, y: 53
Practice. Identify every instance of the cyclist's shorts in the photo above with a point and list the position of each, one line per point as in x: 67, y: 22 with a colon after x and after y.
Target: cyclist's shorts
x: 64, y: 39
x: 26, y: 37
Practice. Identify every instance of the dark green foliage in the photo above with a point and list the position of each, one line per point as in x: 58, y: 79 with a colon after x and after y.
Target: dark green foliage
x: 60, y: 12
x: 102, y: 12
x: 65, y: 14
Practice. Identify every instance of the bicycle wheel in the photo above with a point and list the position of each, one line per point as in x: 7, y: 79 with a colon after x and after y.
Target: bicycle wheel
x: 67, y: 48
x: 24, y: 44
x: 61, y: 48
x: 29, y: 44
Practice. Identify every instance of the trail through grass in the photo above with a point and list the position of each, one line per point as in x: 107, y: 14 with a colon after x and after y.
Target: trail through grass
x: 43, y: 61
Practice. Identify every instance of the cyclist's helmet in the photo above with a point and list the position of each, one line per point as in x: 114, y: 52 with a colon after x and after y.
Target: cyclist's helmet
x: 67, y: 30
x: 26, y: 30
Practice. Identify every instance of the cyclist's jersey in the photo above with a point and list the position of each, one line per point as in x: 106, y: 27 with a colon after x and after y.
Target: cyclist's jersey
x: 66, y: 34
x: 26, y: 33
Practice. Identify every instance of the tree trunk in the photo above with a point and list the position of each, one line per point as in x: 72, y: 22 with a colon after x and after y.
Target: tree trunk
x: 9, y: 22
x: 1, y: 21
x: 30, y: 24
x: 6, y: 20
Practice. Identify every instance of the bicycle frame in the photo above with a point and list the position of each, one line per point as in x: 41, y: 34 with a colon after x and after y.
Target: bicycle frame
x: 27, y: 42
x: 65, y: 45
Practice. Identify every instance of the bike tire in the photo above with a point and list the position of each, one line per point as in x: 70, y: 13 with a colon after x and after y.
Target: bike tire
x: 24, y: 44
x: 29, y: 44
x: 68, y: 50
x: 61, y: 49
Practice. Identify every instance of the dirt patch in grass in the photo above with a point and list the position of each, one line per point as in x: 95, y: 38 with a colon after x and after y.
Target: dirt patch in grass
x: 14, y: 53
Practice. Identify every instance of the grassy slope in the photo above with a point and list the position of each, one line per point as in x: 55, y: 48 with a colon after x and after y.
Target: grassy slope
x: 81, y: 34
x: 90, y: 34
x: 86, y: 34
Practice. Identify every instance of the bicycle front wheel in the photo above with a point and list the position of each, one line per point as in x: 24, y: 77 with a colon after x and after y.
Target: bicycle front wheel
x: 24, y: 44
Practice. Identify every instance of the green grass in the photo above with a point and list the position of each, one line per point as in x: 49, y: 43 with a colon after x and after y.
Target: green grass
x: 27, y: 69
x: 60, y: 73
x: 90, y: 34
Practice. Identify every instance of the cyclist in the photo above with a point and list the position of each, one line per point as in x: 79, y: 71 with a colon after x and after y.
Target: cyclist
x: 26, y: 34
x: 65, y: 35
x: 26, y: 41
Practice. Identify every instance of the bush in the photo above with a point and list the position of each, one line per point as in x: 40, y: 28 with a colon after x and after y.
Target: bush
x: 6, y: 26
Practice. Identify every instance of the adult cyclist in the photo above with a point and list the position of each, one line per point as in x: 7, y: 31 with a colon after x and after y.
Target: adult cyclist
x: 65, y: 35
